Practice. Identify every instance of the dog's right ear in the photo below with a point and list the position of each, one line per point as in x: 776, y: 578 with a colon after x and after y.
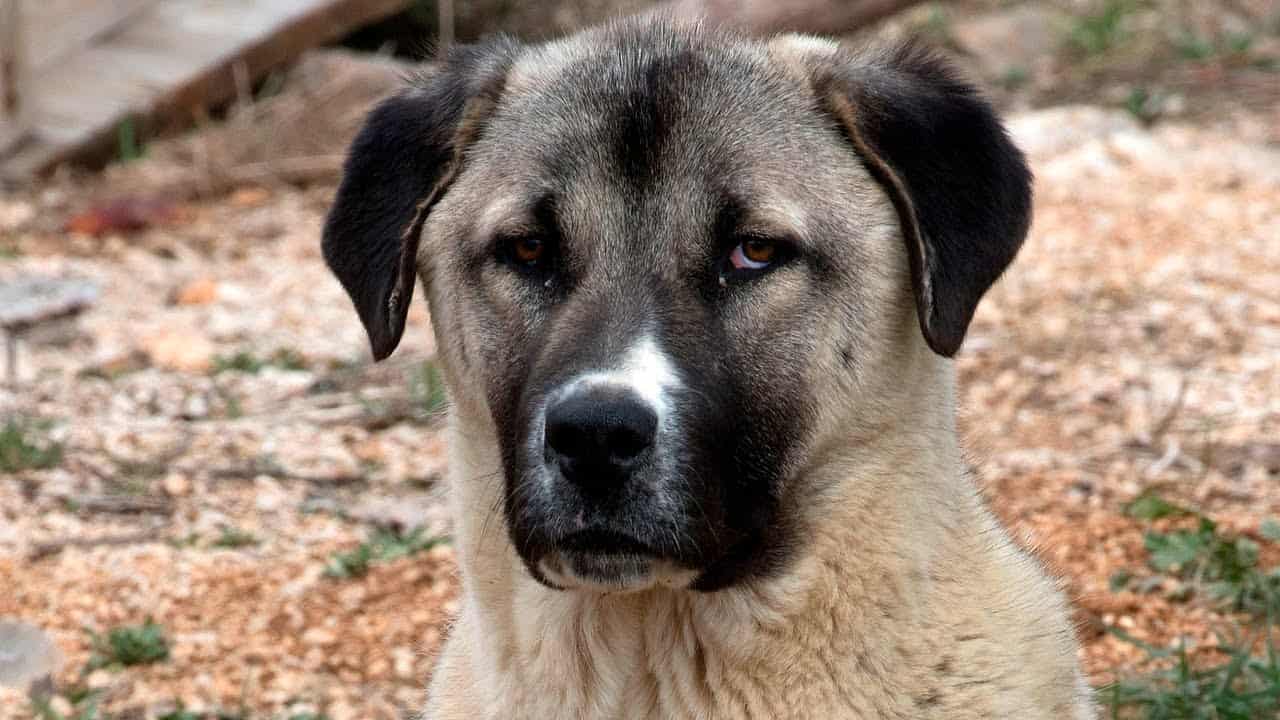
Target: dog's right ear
x: 400, y: 164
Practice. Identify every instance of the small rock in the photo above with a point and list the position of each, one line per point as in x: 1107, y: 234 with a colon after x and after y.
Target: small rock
x: 98, y: 679
x: 197, y: 292
x: 176, y: 485
x: 195, y: 407
x: 27, y: 654
x: 268, y: 496
x: 319, y: 636
x: 249, y: 197
x: 402, y: 659
x: 61, y: 706
x: 342, y: 710
x: 185, y: 351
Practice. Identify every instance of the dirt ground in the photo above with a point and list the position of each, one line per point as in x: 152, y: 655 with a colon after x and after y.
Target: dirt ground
x: 223, y: 434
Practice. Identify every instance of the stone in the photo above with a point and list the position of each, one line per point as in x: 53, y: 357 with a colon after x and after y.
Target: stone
x: 201, y: 291
x: 174, y: 349
x: 27, y: 654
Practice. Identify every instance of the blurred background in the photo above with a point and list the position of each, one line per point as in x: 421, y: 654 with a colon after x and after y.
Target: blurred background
x: 212, y: 505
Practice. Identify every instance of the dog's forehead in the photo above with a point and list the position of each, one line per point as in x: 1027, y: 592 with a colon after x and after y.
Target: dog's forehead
x: 668, y: 123
x: 630, y: 102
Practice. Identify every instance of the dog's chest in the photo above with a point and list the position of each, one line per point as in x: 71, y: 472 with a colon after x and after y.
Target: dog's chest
x: 664, y: 663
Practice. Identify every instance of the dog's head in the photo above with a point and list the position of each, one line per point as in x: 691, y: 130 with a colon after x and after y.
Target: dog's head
x: 669, y: 267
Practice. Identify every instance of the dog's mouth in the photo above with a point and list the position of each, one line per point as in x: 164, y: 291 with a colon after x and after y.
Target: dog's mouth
x: 607, y: 561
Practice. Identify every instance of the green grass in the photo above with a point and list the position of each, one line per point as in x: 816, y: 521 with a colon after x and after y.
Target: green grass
x: 232, y: 538
x: 1227, y: 46
x: 1145, y: 105
x: 25, y: 445
x: 1244, y: 687
x: 143, y: 644
x: 1224, y: 570
x: 1192, y: 46
x: 1014, y: 78
x: 1102, y: 30
x: 1208, y: 563
x: 382, y: 546
x: 247, y: 362
x: 128, y: 147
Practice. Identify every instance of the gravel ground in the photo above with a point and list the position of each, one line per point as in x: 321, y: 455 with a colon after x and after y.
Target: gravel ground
x: 1133, y: 346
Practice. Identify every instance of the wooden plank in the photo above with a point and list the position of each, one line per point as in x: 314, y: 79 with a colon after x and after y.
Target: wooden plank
x: 168, y: 61
x: 299, y: 24
x: 58, y: 28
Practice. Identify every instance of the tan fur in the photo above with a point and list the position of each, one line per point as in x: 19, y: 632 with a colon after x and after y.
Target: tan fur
x: 911, y: 599
x: 908, y: 600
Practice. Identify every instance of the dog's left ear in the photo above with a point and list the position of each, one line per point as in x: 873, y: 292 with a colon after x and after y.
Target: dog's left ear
x: 961, y: 188
x: 400, y: 164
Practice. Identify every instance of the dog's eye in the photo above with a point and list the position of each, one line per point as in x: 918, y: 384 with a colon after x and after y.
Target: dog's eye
x: 753, y: 254
x: 526, y: 252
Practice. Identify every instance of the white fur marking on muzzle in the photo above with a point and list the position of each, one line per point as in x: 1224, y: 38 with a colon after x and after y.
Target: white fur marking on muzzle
x: 645, y: 370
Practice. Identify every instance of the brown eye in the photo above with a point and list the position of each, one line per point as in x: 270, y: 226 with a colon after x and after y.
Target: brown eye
x: 759, y: 251
x: 753, y: 254
x: 528, y: 250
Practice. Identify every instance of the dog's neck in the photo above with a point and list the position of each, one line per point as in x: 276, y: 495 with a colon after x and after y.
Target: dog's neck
x: 892, y: 492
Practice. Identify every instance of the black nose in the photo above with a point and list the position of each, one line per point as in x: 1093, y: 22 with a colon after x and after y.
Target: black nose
x: 599, y: 433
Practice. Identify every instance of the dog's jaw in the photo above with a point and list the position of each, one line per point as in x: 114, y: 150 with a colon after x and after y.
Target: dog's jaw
x: 611, y: 572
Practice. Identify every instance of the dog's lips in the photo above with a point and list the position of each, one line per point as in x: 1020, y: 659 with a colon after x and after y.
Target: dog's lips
x: 608, y: 561
x: 603, y: 542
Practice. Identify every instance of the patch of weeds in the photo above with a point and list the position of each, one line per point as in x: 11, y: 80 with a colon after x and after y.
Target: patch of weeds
x: 1226, y: 568
x: 1193, y: 46
x: 1237, y: 43
x: 1183, y: 686
x: 25, y: 445
x: 1231, y: 46
x: 1146, y: 106
x: 426, y: 387
x: 233, y: 537
x: 232, y: 407
x: 9, y: 252
x: 131, y: 645
x: 1242, y: 688
x: 937, y: 25
x: 1100, y: 31
x: 382, y: 546
x: 1270, y: 529
x: 1015, y: 77
x: 1222, y: 568
x: 1150, y: 506
x: 128, y: 147
x: 247, y: 362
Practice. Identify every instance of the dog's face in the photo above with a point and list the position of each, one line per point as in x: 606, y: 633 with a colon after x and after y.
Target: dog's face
x: 665, y: 265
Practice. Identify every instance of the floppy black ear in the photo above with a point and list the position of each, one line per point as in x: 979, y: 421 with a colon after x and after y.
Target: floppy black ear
x: 961, y: 188
x: 399, y: 165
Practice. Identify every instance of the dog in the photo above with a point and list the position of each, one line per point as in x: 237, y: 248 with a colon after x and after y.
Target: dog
x: 695, y: 297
